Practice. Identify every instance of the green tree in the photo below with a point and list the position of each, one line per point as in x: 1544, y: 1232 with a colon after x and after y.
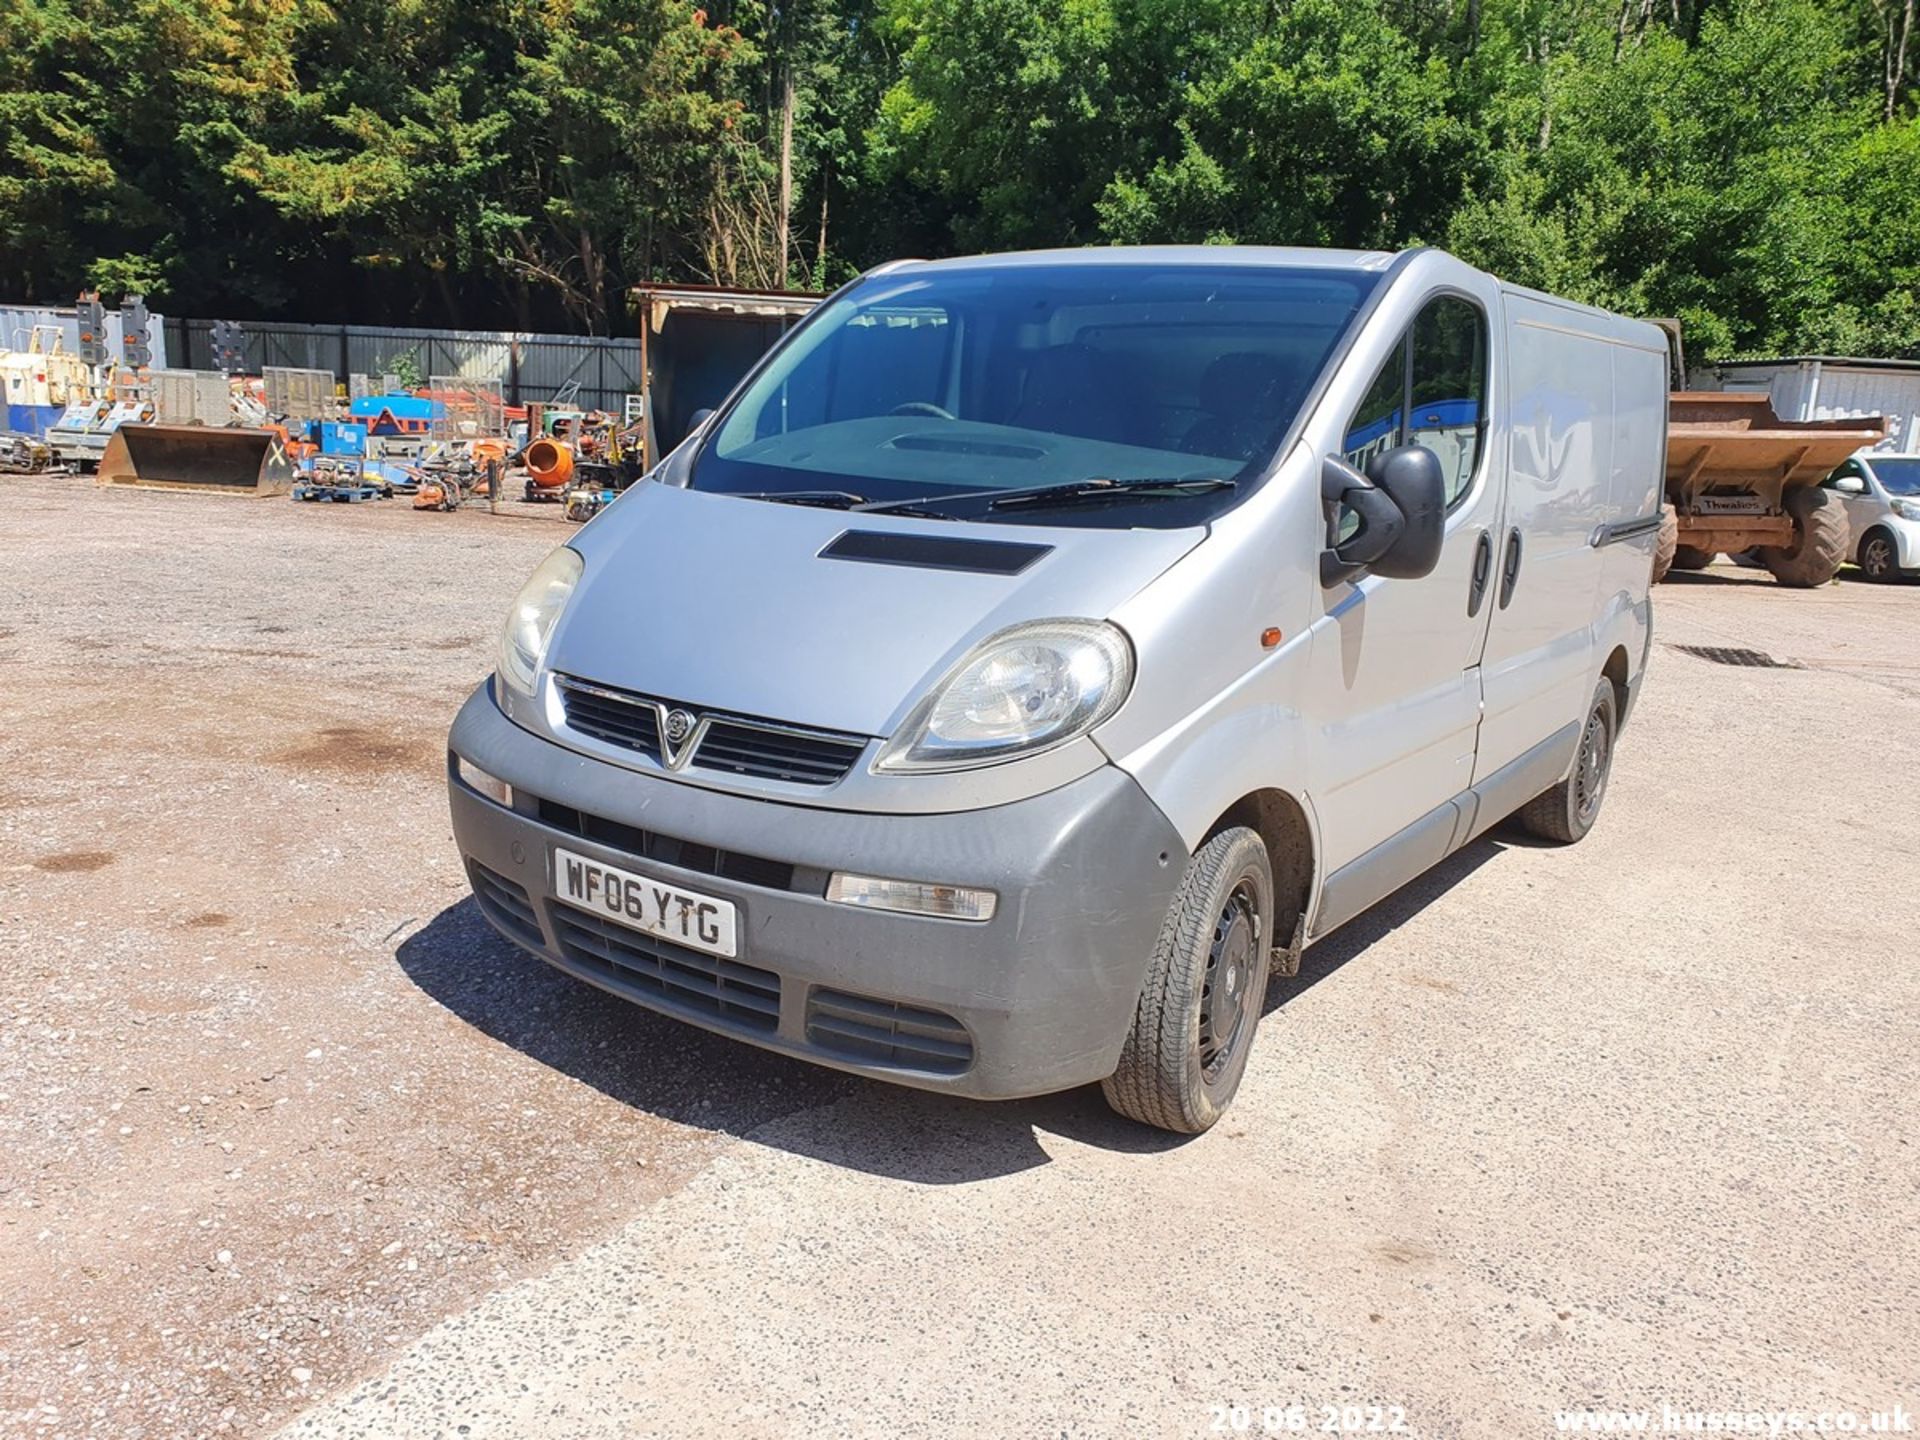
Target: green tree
x: 116, y: 121
x: 1747, y: 165
x: 1018, y: 117
x: 1725, y: 182
x: 1327, y: 126
x: 565, y: 147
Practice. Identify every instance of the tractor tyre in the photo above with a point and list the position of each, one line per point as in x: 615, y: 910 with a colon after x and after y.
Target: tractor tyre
x: 1819, y: 546
x: 1665, y: 543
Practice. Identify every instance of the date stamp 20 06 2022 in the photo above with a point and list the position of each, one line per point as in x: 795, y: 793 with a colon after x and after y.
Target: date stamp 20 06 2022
x: 1226, y: 1417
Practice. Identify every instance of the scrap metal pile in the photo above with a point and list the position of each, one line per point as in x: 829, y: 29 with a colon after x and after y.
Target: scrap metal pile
x: 290, y: 431
x: 23, y: 454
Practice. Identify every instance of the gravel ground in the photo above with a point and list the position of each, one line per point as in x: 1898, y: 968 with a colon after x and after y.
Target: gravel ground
x: 288, y: 1138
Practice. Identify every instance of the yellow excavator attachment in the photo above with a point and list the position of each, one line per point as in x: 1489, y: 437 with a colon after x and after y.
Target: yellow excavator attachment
x: 218, y: 460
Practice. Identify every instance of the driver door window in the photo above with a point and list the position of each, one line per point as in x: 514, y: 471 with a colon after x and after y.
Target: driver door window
x: 1374, y: 429
x: 1376, y: 425
x: 1431, y: 391
x: 1449, y: 386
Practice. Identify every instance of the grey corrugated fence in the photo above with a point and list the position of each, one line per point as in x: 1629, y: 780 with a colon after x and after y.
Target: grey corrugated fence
x: 528, y: 366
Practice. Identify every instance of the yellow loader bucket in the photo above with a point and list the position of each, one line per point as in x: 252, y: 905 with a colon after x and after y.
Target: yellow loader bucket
x: 215, y: 459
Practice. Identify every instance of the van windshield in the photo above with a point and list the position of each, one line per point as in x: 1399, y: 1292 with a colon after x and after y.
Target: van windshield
x: 1166, y: 387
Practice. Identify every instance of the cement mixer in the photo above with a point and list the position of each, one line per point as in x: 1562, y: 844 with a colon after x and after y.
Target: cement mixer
x: 549, y: 465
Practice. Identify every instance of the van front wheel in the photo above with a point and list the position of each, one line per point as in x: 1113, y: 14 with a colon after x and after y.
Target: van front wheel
x: 1567, y: 811
x: 1204, y: 991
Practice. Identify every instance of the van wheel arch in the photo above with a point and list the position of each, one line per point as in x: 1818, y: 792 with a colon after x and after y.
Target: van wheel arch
x: 1615, y: 670
x: 1280, y: 821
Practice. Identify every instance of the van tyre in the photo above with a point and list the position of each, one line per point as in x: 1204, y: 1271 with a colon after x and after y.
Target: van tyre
x: 1879, y: 560
x: 1204, y: 991
x: 1691, y: 557
x: 1567, y: 811
x: 1666, y: 542
x: 1819, y: 540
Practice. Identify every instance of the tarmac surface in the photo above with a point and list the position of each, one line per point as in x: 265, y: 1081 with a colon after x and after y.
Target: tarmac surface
x: 291, y: 1143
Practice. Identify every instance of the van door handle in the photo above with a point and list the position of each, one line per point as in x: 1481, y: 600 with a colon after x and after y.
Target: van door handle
x: 1482, y: 572
x: 1510, y: 568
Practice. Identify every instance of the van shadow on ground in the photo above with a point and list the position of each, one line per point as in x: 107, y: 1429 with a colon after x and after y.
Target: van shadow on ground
x: 1725, y: 574
x: 689, y: 1076
x: 1720, y: 574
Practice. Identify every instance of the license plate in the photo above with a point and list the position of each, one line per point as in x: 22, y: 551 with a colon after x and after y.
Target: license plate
x: 640, y: 902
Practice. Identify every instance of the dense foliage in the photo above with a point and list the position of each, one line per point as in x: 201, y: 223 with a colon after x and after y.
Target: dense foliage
x: 1752, y: 166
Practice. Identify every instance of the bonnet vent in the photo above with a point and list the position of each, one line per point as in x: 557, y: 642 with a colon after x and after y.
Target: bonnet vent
x: 934, y: 552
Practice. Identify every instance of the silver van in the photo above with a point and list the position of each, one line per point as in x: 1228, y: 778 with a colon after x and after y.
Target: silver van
x: 1037, y: 651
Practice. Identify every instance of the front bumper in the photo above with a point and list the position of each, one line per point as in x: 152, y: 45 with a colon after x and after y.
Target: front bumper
x: 1037, y: 999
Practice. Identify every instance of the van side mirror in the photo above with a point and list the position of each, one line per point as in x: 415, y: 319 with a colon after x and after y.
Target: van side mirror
x: 1401, y: 507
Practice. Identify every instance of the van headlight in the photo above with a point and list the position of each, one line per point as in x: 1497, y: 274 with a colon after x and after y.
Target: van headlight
x: 535, y: 611
x: 1024, y: 690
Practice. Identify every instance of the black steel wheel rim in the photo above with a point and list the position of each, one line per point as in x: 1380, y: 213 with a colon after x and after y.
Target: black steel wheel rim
x: 1228, y: 1003
x: 1590, y: 767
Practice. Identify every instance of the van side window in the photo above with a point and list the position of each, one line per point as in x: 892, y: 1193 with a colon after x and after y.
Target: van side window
x: 1450, y: 387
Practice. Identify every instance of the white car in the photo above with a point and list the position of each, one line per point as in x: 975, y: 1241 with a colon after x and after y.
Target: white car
x: 1881, y: 494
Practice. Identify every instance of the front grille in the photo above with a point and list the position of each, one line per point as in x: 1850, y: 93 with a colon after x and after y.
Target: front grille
x: 680, y: 979
x: 730, y: 744
x: 884, y: 1032
x: 685, y: 854
x: 505, y: 903
x: 630, y: 724
x: 776, y: 754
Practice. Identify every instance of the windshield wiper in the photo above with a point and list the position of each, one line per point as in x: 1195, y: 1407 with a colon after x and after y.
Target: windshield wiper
x: 825, y: 499
x: 1098, y: 488
x: 1072, y: 492
x: 915, y: 509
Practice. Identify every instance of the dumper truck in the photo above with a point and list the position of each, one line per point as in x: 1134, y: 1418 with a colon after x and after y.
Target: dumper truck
x: 1742, y: 481
x: 1739, y: 478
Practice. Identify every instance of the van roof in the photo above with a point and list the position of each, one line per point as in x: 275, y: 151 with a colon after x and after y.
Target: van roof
x: 1198, y: 256
x: 1615, y: 328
